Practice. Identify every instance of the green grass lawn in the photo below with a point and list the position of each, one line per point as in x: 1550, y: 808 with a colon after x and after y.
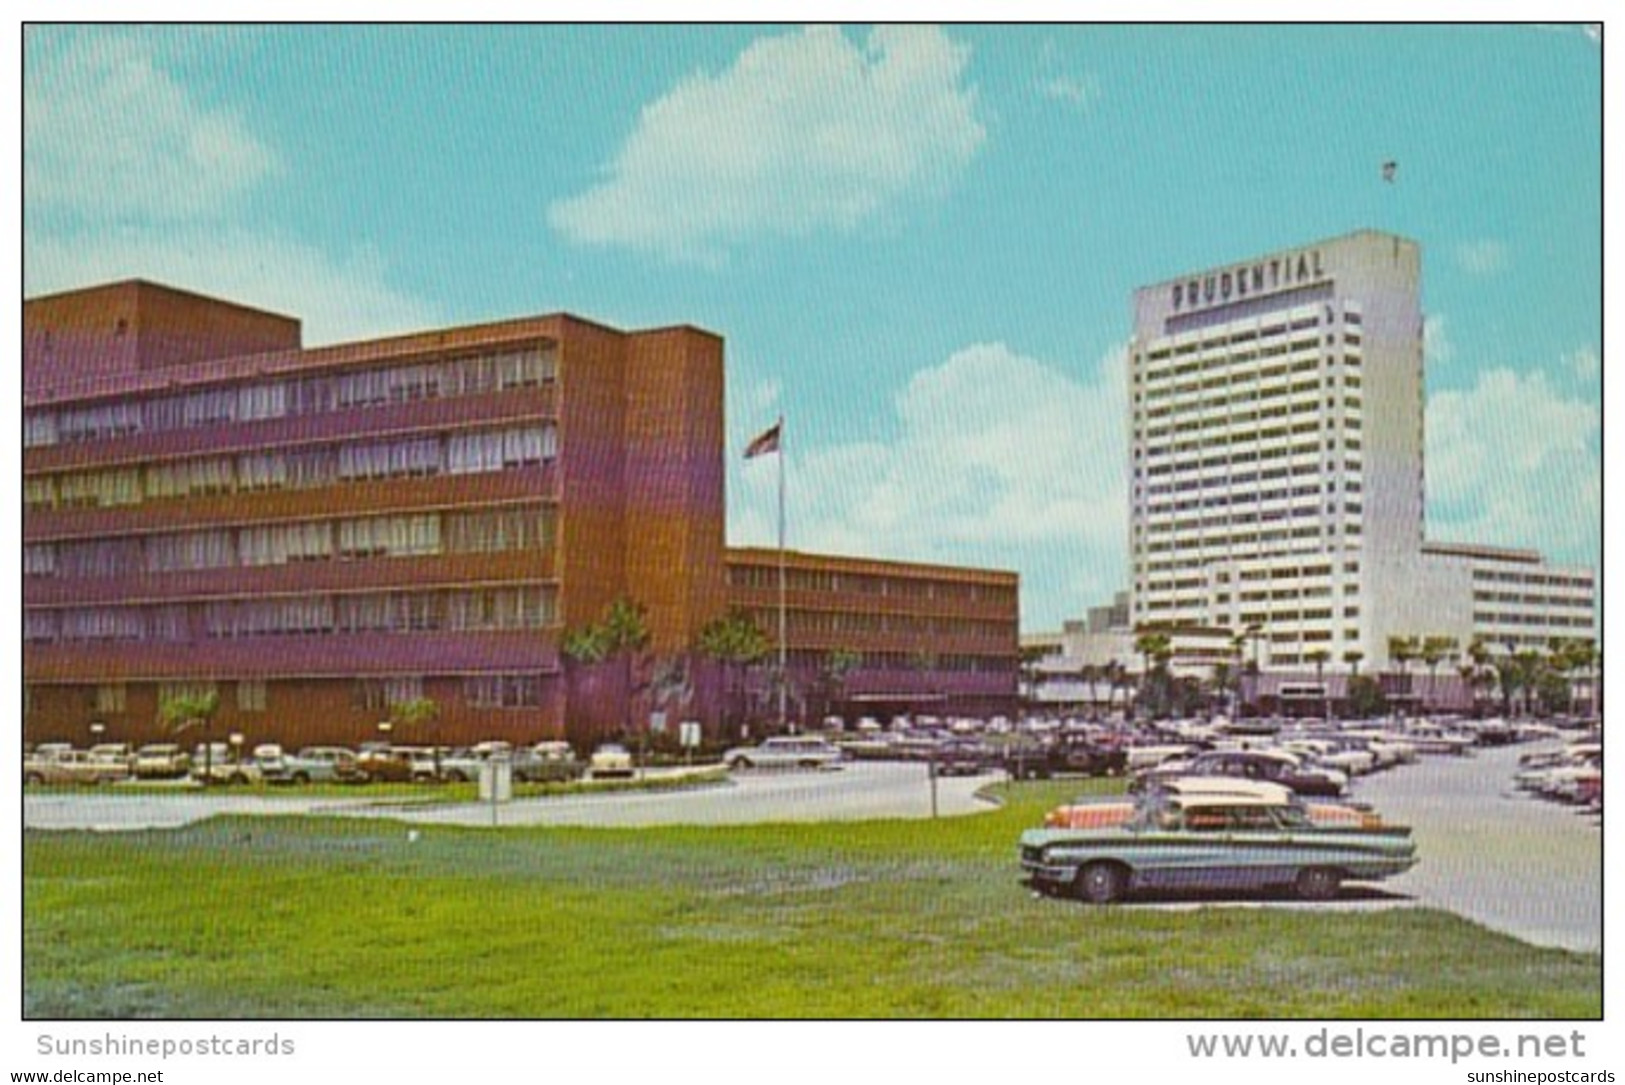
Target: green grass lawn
x: 295, y: 917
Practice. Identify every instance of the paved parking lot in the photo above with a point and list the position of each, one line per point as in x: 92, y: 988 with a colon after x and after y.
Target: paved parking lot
x: 1495, y: 855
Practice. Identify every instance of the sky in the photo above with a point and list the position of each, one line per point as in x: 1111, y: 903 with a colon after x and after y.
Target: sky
x: 919, y: 243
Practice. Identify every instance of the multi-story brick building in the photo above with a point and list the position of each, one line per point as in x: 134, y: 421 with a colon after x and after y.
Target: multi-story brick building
x: 319, y: 534
x: 924, y: 638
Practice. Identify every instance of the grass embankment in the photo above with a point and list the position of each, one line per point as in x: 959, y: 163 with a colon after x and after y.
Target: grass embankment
x: 271, y: 917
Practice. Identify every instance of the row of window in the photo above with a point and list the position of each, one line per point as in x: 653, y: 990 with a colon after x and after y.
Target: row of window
x: 1257, y: 455
x: 821, y: 621
x: 479, y: 532
x: 1273, y: 388
x: 1532, y: 600
x: 1228, y: 497
x: 1554, y: 580
x: 293, y: 396
x: 1239, y: 332
x: 766, y: 577
x: 479, y: 691
x: 480, y: 610
x: 368, y: 694
x: 1288, y: 572
x: 1238, y: 424
x: 1247, y: 478
x: 1239, y: 427
x: 459, y: 453
x: 1301, y: 355
x: 1159, y: 526
x: 1555, y: 620
x: 812, y: 660
x: 1248, y: 539
x: 1232, y: 440
x: 110, y: 698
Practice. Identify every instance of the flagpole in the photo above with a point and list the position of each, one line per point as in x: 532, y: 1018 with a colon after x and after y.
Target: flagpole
x: 784, y: 674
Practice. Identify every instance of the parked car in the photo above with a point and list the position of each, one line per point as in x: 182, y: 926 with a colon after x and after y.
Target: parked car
x: 385, y: 764
x: 1063, y: 753
x: 161, y: 761
x: 313, y: 764
x: 69, y: 766
x: 1276, y: 766
x: 1095, y: 811
x: 785, y: 751
x: 964, y: 757
x: 118, y: 753
x: 1212, y: 842
x: 220, y: 764
x: 610, y: 761
x: 547, y: 762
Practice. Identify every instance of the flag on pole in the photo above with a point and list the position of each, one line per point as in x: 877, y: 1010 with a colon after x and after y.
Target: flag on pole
x: 765, y: 442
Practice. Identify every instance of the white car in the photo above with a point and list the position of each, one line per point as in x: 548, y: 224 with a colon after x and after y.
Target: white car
x: 785, y: 751
x: 610, y: 761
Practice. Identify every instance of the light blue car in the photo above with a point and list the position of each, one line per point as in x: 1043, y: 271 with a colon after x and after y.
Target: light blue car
x: 1213, y: 842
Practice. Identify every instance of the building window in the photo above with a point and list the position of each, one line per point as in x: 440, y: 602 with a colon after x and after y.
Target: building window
x: 379, y: 694
x: 39, y: 429
x: 251, y: 696
x: 170, y: 691
x: 503, y: 690
x: 39, y: 560
x: 109, y: 698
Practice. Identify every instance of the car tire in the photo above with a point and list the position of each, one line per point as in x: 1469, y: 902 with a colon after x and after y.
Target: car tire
x: 739, y: 763
x: 301, y: 778
x: 457, y: 776
x: 238, y: 779
x: 33, y: 778
x: 1318, y: 883
x: 1101, y: 883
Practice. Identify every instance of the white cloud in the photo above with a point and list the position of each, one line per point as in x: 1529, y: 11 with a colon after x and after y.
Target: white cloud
x: 129, y: 175
x: 1513, y: 462
x: 998, y: 461
x: 1483, y: 257
x: 1081, y: 91
x: 341, y: 299
x: 805, y: 132
x: 1436, y: 344
x: 1584, y: 365
x: 108, y: 134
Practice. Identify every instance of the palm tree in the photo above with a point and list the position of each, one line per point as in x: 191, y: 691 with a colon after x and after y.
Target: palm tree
x: 1090, y: 674
x: 735, y: 642
x: 1318, y: 657
x: 1401, y: 650
x: 1354, y: 657
x: 1435, y: 650
x: 1115, y: 677
x: 1221, y: 682
x: 626, y: 633
x: 420, y: 713
x: 1155, y: 649
x: 1028, y: 663
x: 838, y: 666
x: 181, y: 712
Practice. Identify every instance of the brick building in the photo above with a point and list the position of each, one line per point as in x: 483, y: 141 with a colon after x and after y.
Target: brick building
x: 318, y: 534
